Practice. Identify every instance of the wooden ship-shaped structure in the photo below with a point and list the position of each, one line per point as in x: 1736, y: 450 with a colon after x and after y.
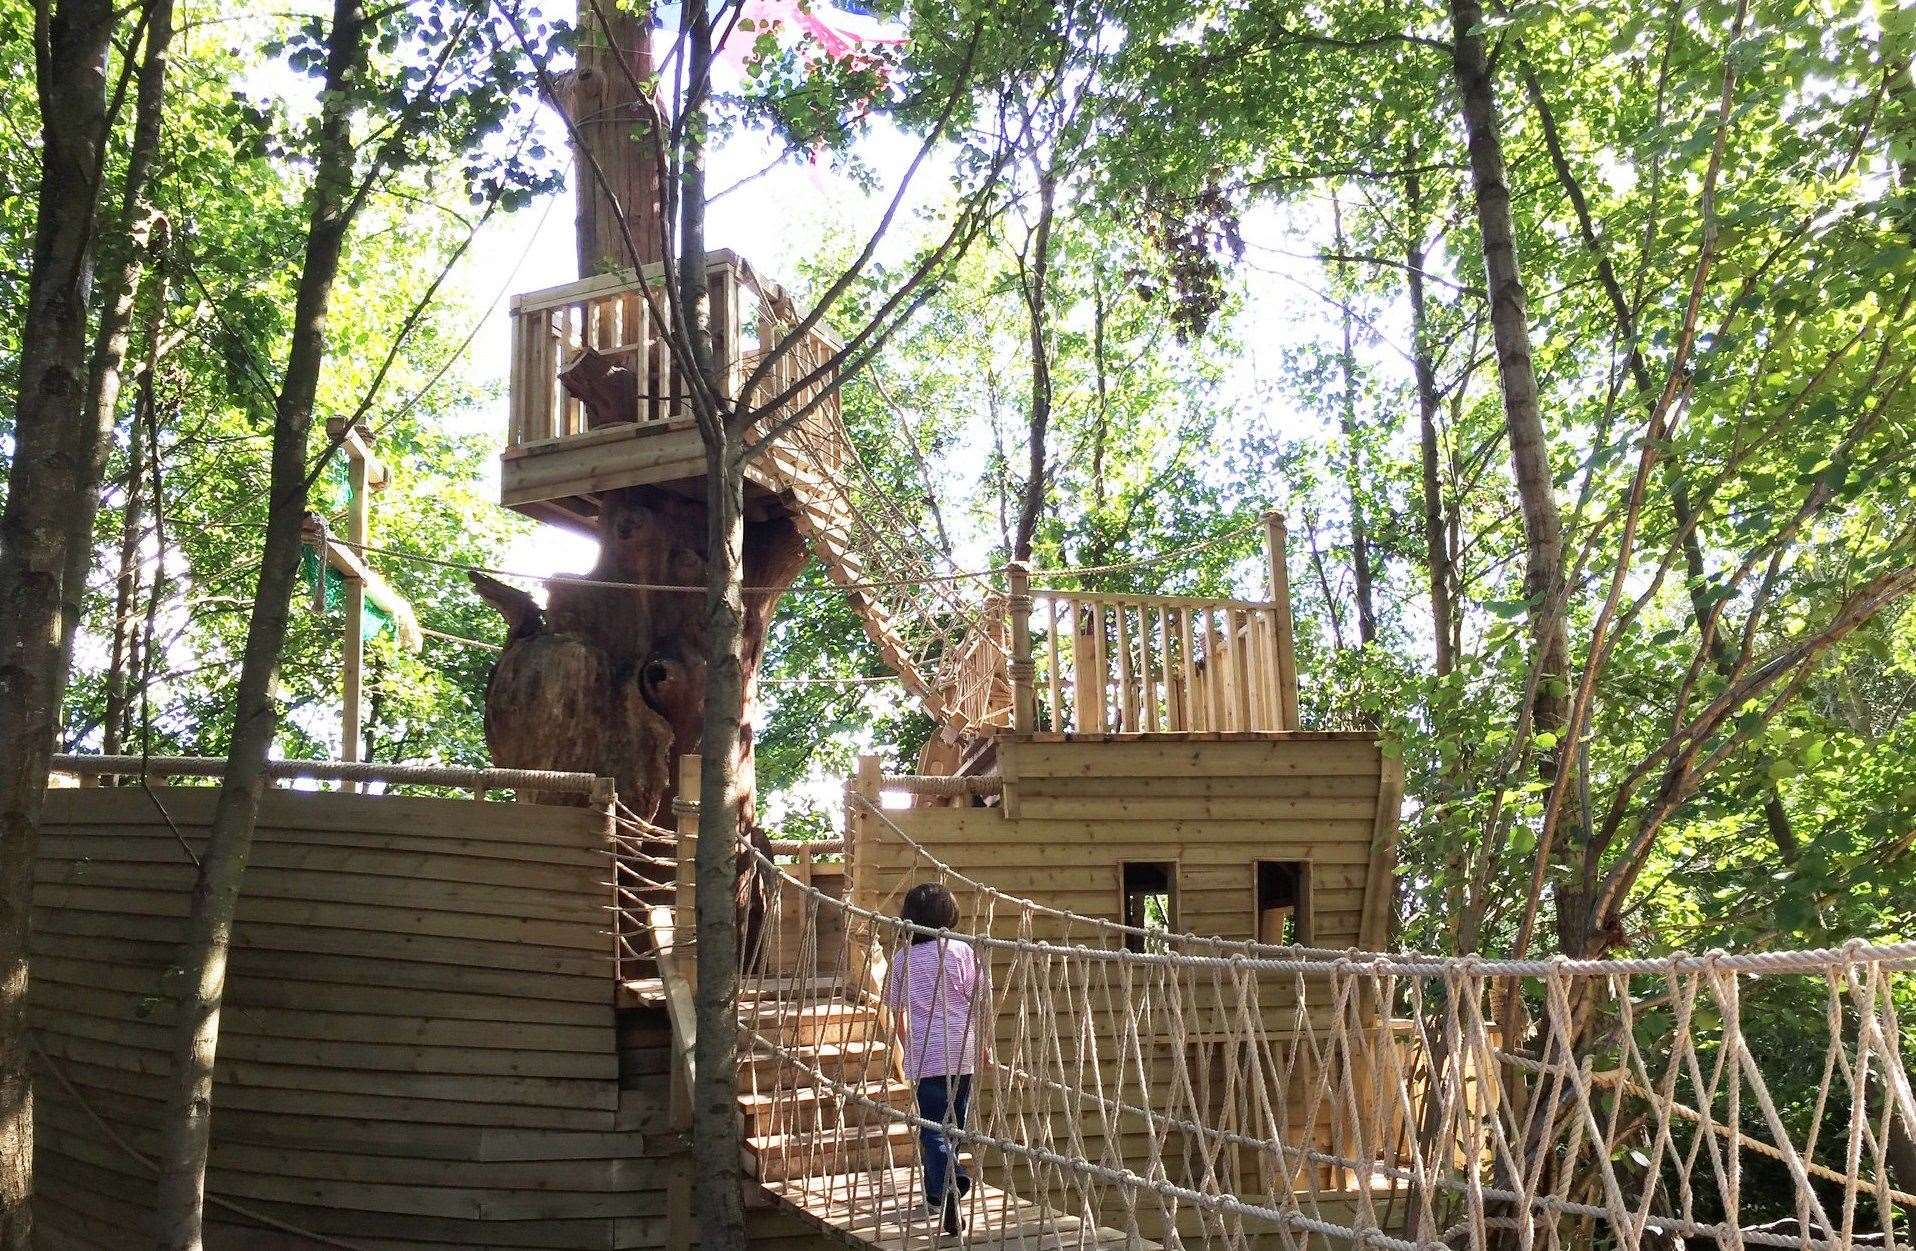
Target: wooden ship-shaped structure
x: 439, y: 1034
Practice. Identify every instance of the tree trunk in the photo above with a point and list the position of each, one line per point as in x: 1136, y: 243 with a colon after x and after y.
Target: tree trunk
x: 1712, y: 625
x: 126, y: 586
x: 124, y: 657
x: 1353, y: 469
x: 716, y: 1126
x: 46, y: 485
x: 1036, y: 274
x: 139, y: 234
x: 604, y: 106
x: 1523, y: 419
x: 1436, y: 545
x: 186, y: 1122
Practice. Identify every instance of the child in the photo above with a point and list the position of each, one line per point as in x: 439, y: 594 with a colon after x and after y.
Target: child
x: 936, y: 986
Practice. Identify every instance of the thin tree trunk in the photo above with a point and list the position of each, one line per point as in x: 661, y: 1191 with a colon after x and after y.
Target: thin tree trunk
x: 1523, y: 418
x: 715, y: 1116
x: 126, y: 585
x: 1101, y: 371
x: 119, y: 289
x: 1429, y: 404
x: 186, y: 1123
x: 124, y: 658
x: 1036, y: 274
x: 1712, y: 625
x: 46, y: 483
x: 716, y: 1125
x: 1353, y: 469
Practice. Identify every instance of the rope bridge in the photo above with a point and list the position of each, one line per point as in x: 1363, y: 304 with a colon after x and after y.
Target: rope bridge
x: 1145, y: 1088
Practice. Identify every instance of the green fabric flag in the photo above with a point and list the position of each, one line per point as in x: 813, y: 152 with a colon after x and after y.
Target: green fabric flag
x: 374, y: 621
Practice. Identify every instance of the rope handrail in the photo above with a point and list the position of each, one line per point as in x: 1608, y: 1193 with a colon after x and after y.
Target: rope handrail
x: 1126, y: 1086
x: 87, y: 764
x: 1353, y: 961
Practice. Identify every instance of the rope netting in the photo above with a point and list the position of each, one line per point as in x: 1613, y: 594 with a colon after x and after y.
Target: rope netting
x: 1135, y: 1086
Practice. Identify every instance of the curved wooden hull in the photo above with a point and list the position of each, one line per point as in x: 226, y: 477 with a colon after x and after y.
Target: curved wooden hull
x: 419, y: 1044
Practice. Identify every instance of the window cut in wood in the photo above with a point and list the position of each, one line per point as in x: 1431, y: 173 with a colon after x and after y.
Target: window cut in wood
x: 1149, y: 889
x: 1284, y: 901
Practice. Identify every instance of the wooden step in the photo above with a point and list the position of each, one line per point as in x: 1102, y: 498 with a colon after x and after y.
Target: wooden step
x: 847, y: 1061
x: 811, y: 1023
x: 856, y: 1149
x: 829, y: 987
x: 806, y: 1109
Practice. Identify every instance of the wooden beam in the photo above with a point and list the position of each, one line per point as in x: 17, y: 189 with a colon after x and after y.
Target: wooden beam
x: 358, y: 447
x: 1374, y: 925
x: 1274, y: 552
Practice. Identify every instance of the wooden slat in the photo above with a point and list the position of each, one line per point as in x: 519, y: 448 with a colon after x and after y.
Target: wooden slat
x: 1146, y: 631
x: 1100, y: 666
x: 1057, y: 703
x: 1240, y: 648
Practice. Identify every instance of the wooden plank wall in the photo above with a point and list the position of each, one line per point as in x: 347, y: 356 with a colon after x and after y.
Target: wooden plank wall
x: 418, y: 1048
x: 1076, y: 808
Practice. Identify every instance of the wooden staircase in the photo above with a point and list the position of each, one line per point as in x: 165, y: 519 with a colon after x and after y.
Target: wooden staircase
x: 931, y: 631
x: 850, y: 1169
x: 794, y: 1127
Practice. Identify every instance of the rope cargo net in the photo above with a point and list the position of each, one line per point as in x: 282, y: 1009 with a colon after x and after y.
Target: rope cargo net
x: 1147, y: 1088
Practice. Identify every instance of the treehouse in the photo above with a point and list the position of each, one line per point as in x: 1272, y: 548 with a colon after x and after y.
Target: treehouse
x: 456, y: 1022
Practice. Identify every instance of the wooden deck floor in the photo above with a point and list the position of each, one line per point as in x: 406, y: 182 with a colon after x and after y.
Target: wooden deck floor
x: 884, y: 1209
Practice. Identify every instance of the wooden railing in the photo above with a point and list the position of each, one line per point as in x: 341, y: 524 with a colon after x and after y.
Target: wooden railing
x: 625, y: 320
x: 1094, y: 663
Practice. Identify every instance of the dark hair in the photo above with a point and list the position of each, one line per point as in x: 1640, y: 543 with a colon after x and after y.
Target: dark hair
x: 929, y: 904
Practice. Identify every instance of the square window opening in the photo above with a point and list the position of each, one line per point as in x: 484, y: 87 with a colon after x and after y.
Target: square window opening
x: 1284, y: 902
x: 1150, y: 903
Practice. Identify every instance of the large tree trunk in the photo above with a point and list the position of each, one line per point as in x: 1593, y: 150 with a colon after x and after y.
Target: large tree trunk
x: 1523, y: 418
x: 615, y: 55
x: 201, y: 983
x: 612, y: 681
x: 47, y: 483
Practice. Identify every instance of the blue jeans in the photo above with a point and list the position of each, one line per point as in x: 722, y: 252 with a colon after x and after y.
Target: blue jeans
x: 943, y: 1098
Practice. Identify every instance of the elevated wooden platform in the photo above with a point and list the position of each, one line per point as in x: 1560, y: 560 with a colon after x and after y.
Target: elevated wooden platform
x: 420, y: 1046
x: 602, y: 336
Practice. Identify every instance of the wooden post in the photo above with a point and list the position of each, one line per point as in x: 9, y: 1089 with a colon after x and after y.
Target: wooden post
x: 364, y: 474
x: 1274, y: 552
x: 675, y: 970
x: 685, y: 806
x: 628, y: 923
x: 1374, y: 920
x: 859, y: 827
x: 1024, y: 696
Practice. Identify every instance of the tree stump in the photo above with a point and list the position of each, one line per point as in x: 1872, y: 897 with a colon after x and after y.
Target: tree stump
x: 611, y: 679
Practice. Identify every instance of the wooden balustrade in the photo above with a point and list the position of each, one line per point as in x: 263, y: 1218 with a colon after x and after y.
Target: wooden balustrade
x: 624, y: 318
x: 1132, y: 664
x: 1095, y: 663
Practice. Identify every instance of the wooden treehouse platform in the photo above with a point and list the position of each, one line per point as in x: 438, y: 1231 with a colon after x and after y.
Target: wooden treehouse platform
x: 599, y: 404
x: 600, y: 337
